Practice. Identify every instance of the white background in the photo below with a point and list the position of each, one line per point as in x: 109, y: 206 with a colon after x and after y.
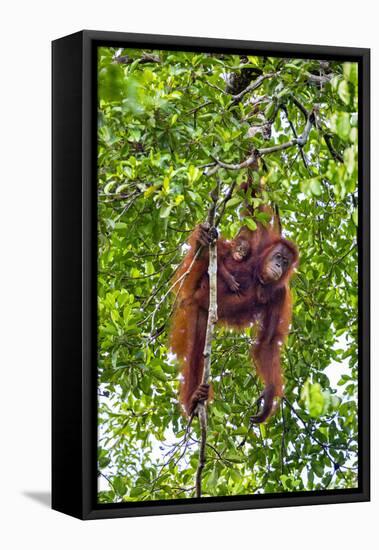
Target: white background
x: 26, y: 31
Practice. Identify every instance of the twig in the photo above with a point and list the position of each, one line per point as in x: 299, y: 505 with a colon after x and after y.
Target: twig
x: 195, y: 109
x: 311, y: 434
x: 172, y: 452
x: 304, y: 158
x: 338, y: 260
x: 335, y: 154
x: 180, y: 280
x: 216, y: 87
x: 128, y: 205
x: 109, y: 481
x: 227, y: 198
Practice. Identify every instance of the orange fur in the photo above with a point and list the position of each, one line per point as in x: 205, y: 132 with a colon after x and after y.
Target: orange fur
x: 267, y: 304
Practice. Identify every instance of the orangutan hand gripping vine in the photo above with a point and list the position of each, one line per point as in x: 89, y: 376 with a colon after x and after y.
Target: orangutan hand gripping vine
x: 254, y: 271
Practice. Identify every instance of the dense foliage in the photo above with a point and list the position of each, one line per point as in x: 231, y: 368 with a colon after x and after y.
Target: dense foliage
x: 164, y: 116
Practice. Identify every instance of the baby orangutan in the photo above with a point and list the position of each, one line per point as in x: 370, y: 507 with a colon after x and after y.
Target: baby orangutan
x: 229, y: 255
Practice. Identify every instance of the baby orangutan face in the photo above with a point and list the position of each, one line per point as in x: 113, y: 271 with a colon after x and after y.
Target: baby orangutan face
x: 240, y: 250
x: 276, y: 264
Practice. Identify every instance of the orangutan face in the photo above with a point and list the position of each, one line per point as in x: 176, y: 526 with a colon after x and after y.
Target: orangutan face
x: 241, y: 249
x: 277, y: 263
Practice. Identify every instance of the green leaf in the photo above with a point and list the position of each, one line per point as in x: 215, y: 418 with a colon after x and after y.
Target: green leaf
x: 149, y: 268
x: 165, y: 211
x: 158, y: 373
x: 212, y: 480
x: 234, y: 457
x: 311, y: 186
x: 270, y: 110
x: 318, y: 468
x: 343, y: 92
x: 340, y: 123
x: 313, y: 398
x: 350, y: 72
x: 119, y: 485
x: 250, y: 224
x: 350, y: 159
x: 315, y: 186
x: 286, y: 481
x: 193, y: 174
x: 234, y: 202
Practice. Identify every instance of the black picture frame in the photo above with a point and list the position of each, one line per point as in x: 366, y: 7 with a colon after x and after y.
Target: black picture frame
x: 74, y: 295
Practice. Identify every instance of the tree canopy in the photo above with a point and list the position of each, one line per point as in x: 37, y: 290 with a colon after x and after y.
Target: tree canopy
x: 170, y: 124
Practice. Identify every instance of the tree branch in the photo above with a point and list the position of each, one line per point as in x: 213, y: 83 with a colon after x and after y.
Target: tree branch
x: 212, y: 320
x: 335, y: 154
x: 305, y: 162
x: 319, y: 79
x: 250, y: 88
x: 203, y: 441
x: 300, y: 141
x: 300, y: 106
x: 227, y: 198
x: 145, y: 58
x: 253, y: 86
x: 245, y: 164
